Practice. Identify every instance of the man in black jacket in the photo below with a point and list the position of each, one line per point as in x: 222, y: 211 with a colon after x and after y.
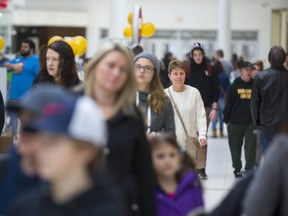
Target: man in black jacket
x: 269, y: 103
x: 205, y: 79
x: 239, y: 121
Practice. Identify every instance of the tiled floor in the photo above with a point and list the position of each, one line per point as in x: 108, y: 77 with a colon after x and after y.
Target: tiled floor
x: 219, y: 171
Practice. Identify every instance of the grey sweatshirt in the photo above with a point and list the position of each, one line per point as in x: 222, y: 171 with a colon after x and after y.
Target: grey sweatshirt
x: 163, y: 121
x: 268, y: 193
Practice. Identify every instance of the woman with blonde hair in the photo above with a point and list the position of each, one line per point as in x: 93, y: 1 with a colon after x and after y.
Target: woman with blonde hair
x: 190, y: 115
x: 154, y: 105
x: 110, y: 81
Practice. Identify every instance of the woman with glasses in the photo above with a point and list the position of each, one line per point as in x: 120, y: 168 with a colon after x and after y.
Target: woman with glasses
x: 155, y: 107
x: 60, y: 66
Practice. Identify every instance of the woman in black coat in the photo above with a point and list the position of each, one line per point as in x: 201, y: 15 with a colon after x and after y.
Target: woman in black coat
x: 110, y: 81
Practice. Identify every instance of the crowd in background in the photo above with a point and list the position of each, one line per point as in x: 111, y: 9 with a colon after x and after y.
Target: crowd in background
x: 128, y: 136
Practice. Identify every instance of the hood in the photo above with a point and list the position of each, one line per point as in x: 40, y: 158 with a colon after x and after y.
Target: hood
x: 143, y: 96
x: 190, y: 180
x: 238, y: 80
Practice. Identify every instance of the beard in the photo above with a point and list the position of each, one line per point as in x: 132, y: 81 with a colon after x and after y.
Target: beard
x: 25, y: 53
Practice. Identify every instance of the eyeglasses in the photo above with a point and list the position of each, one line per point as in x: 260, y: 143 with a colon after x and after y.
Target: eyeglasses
x: 147, y: 68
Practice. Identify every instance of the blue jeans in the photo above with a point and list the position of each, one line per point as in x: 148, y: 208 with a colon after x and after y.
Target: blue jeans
x: 13, y: 122
x: 221, y: 105
x: 265, y: 142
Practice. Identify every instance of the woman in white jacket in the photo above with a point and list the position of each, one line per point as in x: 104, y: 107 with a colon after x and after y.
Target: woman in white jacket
x: 191, y: 108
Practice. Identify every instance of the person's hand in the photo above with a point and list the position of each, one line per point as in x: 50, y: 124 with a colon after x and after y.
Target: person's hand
x: 150, y: 136
x: 203, y: 142
x: 213, y: 115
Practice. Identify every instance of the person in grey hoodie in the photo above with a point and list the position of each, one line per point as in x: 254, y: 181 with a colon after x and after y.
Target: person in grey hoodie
x: 151, y: 100
x: 268, y: 193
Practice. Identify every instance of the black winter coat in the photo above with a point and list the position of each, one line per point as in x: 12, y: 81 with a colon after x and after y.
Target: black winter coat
x: 269, y: 103
x: 204, y: 78
x: 102, y: 199
x: 129, y: 163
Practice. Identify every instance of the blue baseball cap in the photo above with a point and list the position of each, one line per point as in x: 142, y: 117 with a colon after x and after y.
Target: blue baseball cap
x: 78, y: 118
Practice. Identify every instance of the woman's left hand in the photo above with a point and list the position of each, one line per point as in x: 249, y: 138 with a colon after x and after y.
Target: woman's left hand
x: 213, y: 115
x: 203, y: 142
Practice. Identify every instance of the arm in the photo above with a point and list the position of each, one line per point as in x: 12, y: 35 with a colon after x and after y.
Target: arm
x: 215, y: 87
x: 144, y: 173
x: 215, y: 84
x: 16, y: 68
x: 255, y: 101
x: 169, y: 124
x: 264, y: 193
x: 228, y: 106
x: 201, y: 117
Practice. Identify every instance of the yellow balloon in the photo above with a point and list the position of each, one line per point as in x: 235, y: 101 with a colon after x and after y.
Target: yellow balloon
x: 72, y: 45
x: 53, y: 39
x: 130, y: 18
x: 128, y: 32
x: 81, y: 44
x: 148, y: 29
x: 2, y: 43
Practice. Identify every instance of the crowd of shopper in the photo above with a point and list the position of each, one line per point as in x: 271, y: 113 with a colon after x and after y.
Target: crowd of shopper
x: 131, y: 139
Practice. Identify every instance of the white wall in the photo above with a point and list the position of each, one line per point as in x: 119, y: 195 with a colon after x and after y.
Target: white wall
x: 169, y: 14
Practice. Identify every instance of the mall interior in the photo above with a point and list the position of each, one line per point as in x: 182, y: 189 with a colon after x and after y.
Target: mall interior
x: 246, y: 29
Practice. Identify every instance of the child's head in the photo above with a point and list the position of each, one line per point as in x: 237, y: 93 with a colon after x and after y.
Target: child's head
x: 246, y: 70
x: 167, y: 158
x: 72, y: 136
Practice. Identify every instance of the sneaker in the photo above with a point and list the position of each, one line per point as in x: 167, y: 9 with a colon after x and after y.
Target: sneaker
x: 238, y: 174
x: 214, y: 134
x: 221, y: 133
x: 248, y: 172
x: 202, y: 173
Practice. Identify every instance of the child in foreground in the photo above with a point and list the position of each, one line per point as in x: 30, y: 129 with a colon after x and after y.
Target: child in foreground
x: 178, y: 189
x: 71, y: 138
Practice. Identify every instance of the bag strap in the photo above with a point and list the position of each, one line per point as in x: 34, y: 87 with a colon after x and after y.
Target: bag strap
x: 177, y: 111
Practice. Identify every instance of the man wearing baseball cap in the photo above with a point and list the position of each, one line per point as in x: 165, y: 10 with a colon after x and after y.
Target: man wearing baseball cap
x: 239, y: 121
x: 72, y: 137
x: 20, y: 166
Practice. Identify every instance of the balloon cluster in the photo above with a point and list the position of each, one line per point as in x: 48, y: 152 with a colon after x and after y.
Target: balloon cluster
x: 146, y: 29
x: 78, y: 44
x: 2, y: 43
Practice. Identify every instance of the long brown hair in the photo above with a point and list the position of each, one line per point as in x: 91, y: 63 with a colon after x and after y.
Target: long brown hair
x: 158, y: 97
x: 126, y: 96
x: 170, y: 139
x: 67, y: 70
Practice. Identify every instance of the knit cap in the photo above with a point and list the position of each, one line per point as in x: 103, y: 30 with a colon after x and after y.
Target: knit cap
x: 151, y: 57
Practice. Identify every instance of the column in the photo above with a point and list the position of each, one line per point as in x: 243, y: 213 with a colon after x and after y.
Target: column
x: 284, y: 23
x: 118, y: 18
x: 224, y: 28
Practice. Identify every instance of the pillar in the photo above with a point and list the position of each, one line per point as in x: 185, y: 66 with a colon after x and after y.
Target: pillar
x: 224, y: 28
x: 284, y: 23
x: 118, y: 18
